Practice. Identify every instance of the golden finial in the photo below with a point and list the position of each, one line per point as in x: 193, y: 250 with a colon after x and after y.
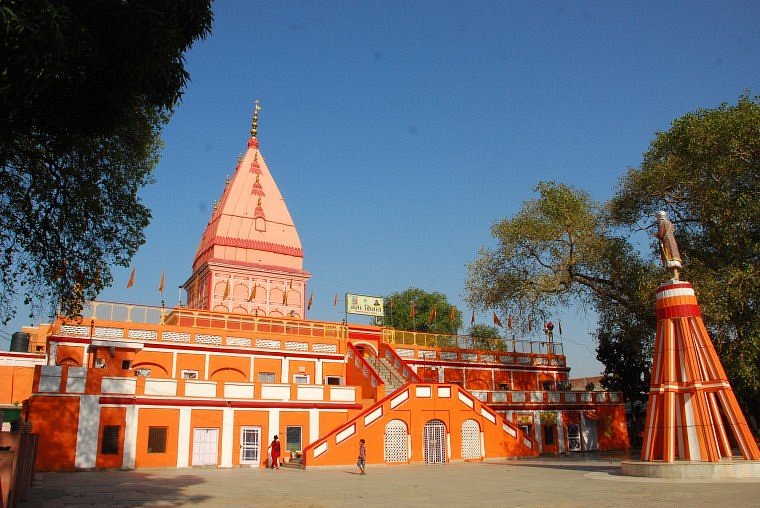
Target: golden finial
x: 255, y: 123
x: 227, y: 179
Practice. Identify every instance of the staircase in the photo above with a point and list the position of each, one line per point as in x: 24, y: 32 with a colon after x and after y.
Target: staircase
x: 392, y: 378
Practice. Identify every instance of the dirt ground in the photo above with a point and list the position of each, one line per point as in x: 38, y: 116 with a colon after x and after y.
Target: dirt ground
x: 579, y: 481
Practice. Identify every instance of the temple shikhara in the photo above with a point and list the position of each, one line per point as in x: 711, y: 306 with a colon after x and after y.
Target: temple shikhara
x: 211, y: 382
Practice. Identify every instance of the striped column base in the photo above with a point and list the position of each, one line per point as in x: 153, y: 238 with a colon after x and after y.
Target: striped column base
x: 691, y: 404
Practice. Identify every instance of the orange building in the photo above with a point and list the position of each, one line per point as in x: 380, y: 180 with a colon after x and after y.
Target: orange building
x: 211, y: 383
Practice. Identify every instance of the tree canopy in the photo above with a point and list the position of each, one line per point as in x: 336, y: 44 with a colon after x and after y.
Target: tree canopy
x: 705, y: 172
x: 562, y: 248
x: 85, y: 89
x: 445, y: 319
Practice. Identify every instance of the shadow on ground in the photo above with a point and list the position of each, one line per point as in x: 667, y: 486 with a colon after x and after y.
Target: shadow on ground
x: 114, y: 488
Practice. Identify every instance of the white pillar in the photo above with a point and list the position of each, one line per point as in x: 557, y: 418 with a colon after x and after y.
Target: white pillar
x: 228, y: 427
x: 318, y: 373
x: 537, y: 430
x: 174, y: 364
x: 130, y: 438
x: 560, y: 433
x: 285, y: 370
x: 87, y: 432
x: 183, y: 437
x: 274, y: 427
x: 313, y: 425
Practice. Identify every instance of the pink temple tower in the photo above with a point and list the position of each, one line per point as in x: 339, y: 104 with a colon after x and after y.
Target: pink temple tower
x: 249, y: 260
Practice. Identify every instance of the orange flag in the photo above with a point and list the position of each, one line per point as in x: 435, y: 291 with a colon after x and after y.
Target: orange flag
x: 226, y: 290
x: 285, y: 296
x: 530, y: 326
x: 131, y: 279
x: 311, y: 300
x: 253, y: 293
x: 335, y: 300
x: 509, y: 322
x: 433, y: 314
x: 496, y: 320
x: 452, y: 314
x: 161, y: 284
x: 412, y: 311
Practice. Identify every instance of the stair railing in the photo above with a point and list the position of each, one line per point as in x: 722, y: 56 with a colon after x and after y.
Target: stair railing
x: 400, y: 365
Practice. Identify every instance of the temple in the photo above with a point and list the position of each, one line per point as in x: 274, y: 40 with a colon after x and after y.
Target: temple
x: 211, y: 382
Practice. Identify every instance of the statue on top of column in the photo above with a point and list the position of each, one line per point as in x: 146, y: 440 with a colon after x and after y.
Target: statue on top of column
x: 671, y: 257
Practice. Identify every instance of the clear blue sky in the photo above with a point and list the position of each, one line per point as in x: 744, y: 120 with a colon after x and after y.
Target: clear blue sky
x: 399, y: 131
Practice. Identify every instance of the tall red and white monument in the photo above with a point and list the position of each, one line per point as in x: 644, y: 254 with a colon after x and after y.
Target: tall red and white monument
x: 692, y: 408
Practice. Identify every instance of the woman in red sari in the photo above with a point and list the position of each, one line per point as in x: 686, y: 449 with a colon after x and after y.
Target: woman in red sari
x: 275, y: 447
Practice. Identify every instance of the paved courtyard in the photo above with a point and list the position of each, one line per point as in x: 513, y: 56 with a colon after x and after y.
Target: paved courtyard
x: 578, y: 481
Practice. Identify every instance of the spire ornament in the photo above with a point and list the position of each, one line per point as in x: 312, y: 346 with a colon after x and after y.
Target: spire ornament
x: 255, y: 123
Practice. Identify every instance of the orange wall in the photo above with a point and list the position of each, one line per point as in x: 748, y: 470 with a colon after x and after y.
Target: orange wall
x: 15, y: 383
x: 267, y: 365
x: 111, y: 416
x: 189, y: 361
x: 71, y: 355
x: 159, y: 363
x: 524, y: 381
x: 612, y: 429
x: 229, y: 368
x: 478, y: 379
x: 304, y: 368
x: 332, y: 369
x: 56, y: 420
x: 157, y: 417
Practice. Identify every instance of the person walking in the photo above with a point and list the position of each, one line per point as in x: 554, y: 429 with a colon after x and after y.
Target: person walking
x: 275, y: 452
x: 361, y: 462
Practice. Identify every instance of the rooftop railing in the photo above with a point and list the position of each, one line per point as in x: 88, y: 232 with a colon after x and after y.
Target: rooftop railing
x: 444, y: 341
x: 198, y: 318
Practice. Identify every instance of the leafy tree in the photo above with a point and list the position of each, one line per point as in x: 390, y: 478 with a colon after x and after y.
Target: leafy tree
x: 85, y: 88
x: 705, y: 172
x: 398, y: 312
x: 564, y: 248
x: 486, y: 337
x: 558, y: 250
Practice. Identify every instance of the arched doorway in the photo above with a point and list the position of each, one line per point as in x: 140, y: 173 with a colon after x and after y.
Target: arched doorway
x: 435, y: 442
x: 396, y: 449
x: 471, y: 440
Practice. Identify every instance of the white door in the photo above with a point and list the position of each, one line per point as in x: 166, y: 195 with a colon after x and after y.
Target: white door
x: 205, y: 447
x: 470, y: 440
x: 574, y: 437
x: 396, y: 442
x: 435, y: 442
x: 250, y: 445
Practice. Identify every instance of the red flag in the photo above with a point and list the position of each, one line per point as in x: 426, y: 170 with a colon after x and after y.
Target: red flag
x: 509, y: 322
x: 311, y: 300
x: 161, y: 284
x: 412, y: 311
x: 433, y: 314
x: 131, y: 279
x: 472, y: 319
x: 496, y: 320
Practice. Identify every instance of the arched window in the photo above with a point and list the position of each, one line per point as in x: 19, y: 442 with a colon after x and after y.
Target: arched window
x: 396, y: 449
